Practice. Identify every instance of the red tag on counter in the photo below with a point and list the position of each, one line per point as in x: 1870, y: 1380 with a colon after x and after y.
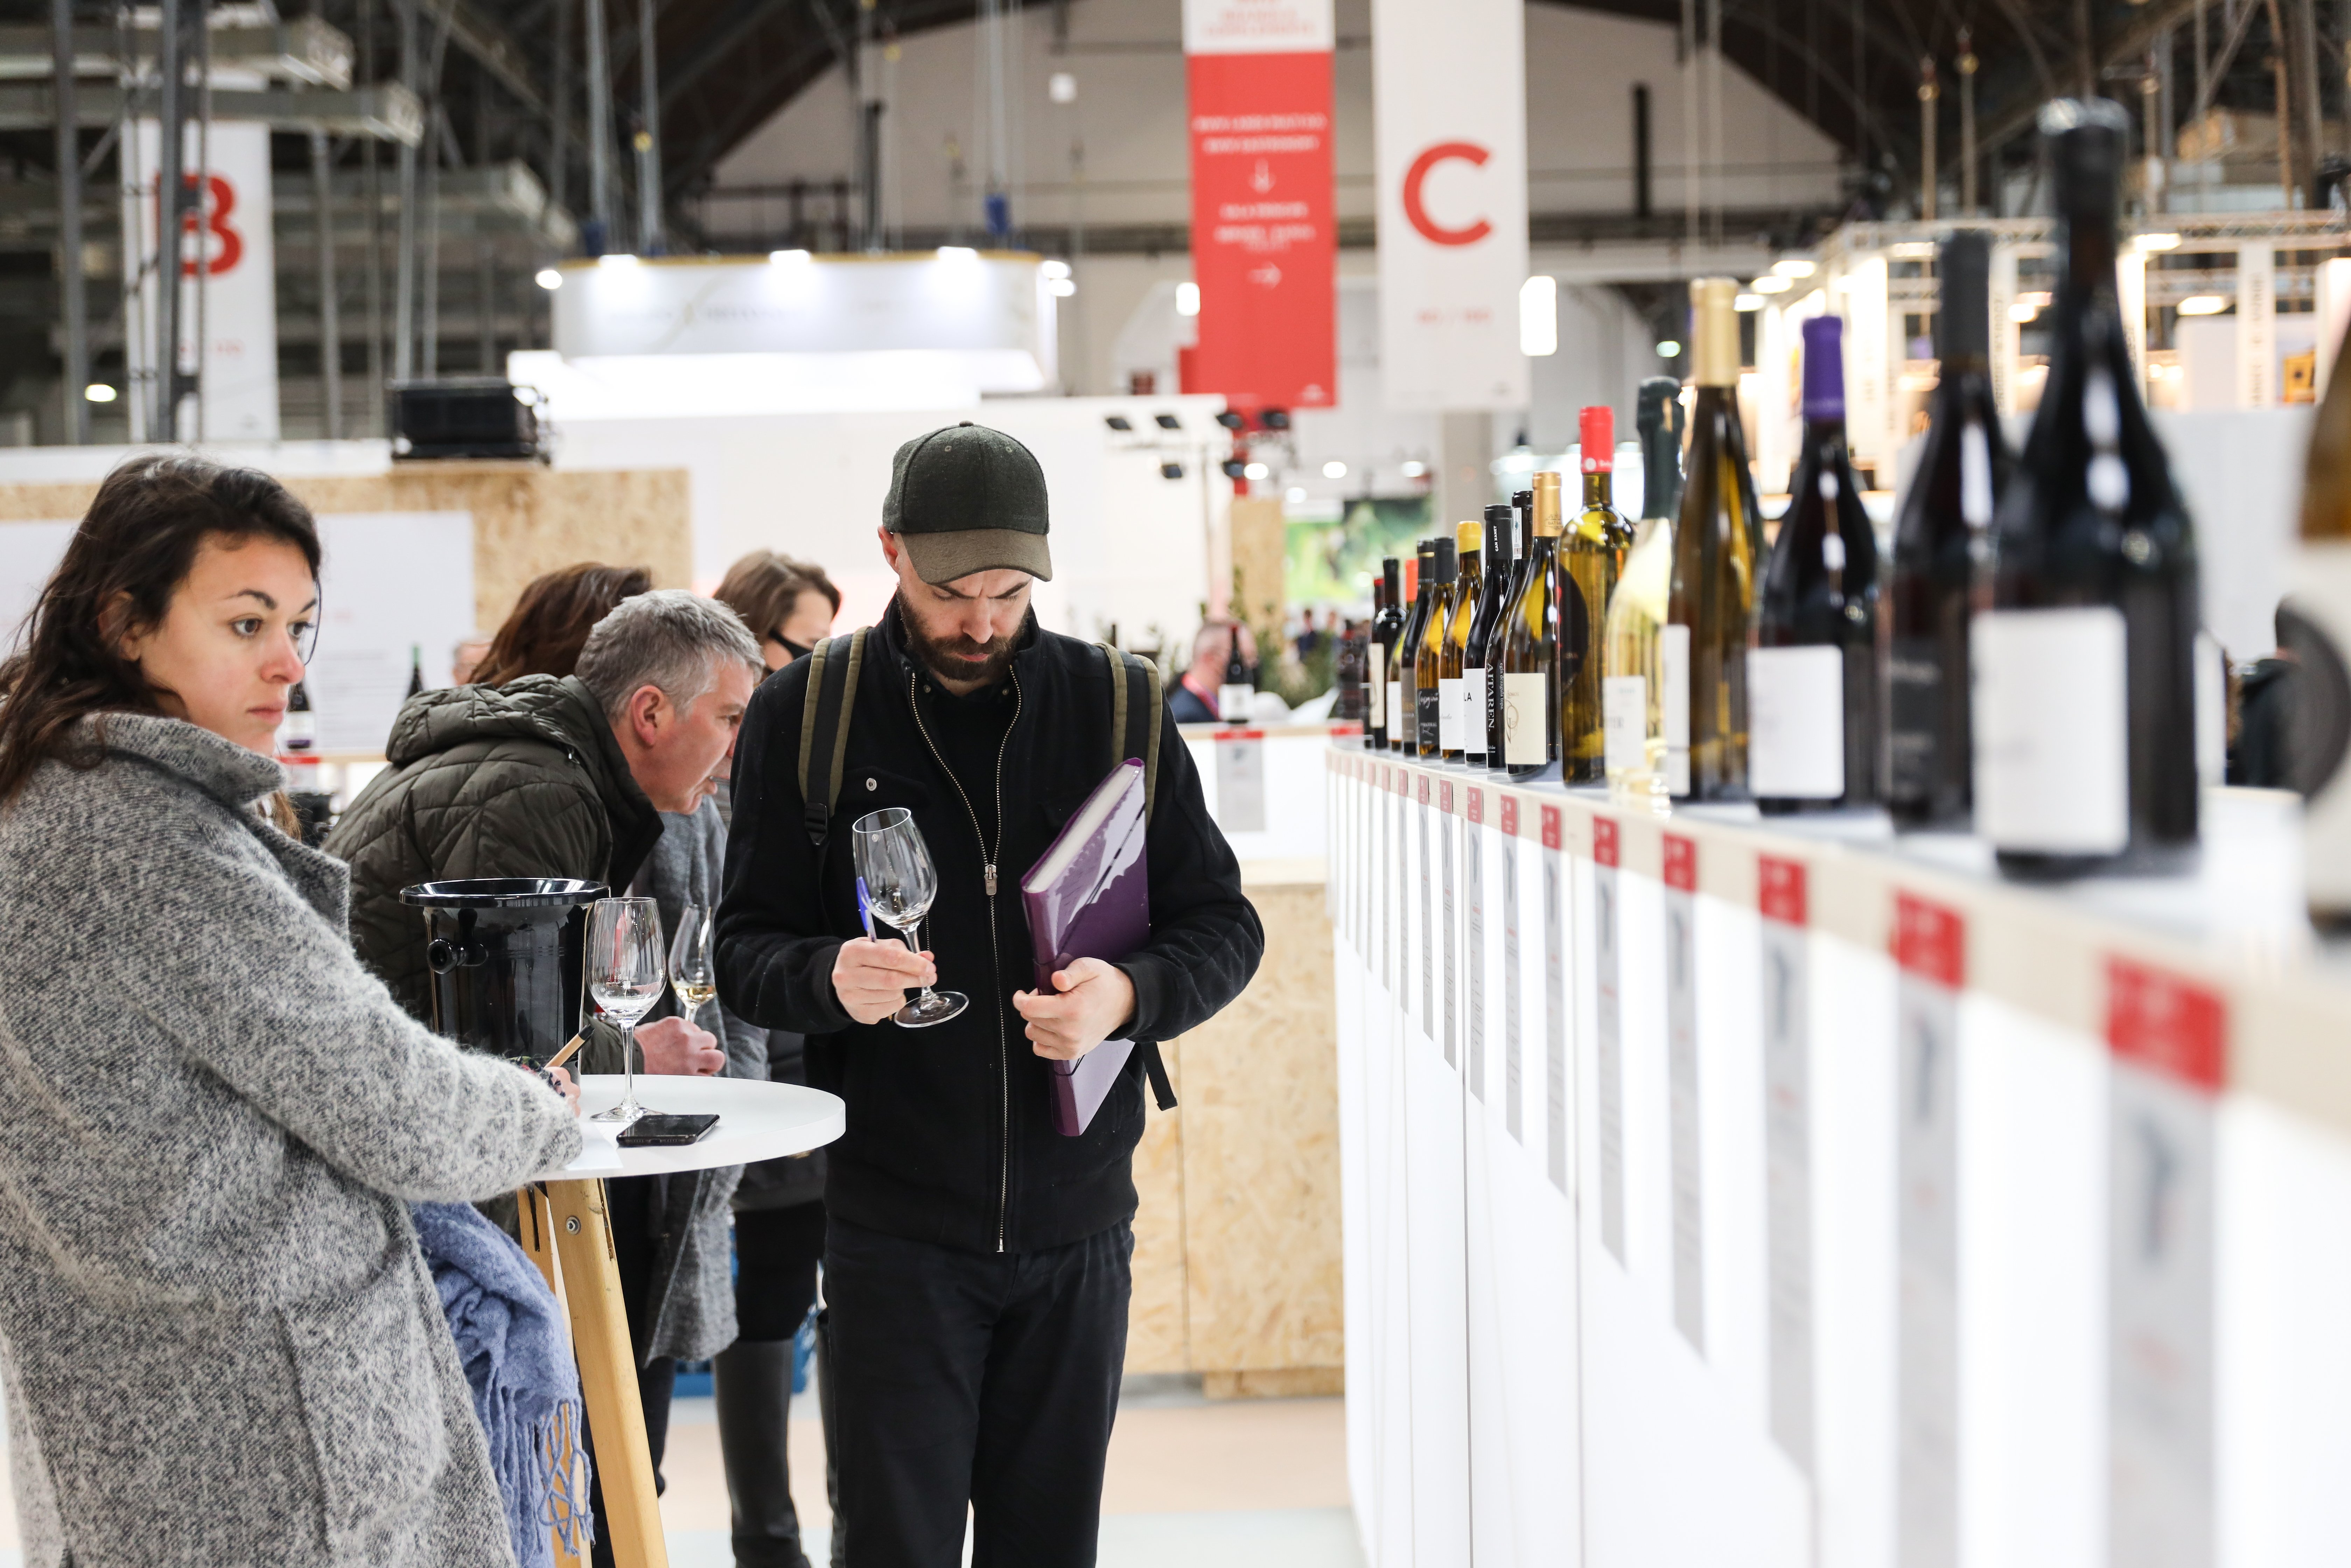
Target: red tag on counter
x: 1424, y: 788
x: 1509, y: 816
x: 1930, y: 940
x: 2167, y: 1024
x: 1603, y: 841
x: 1477, y: 805
x: 1681, y: 863
x: 1779, y: 888
x: 1551, y: 827
x: 1445, y: 796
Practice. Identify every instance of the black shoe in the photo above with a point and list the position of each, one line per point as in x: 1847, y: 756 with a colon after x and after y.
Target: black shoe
x: 753, y: 1381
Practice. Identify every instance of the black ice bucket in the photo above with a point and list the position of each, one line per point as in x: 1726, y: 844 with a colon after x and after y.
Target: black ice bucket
x: 505, y: 952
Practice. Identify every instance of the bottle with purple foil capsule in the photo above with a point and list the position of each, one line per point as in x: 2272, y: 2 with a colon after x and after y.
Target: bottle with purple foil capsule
x: 1812, y: 722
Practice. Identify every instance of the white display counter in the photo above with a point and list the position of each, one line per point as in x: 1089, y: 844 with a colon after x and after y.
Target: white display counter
x: 1727, y: 1192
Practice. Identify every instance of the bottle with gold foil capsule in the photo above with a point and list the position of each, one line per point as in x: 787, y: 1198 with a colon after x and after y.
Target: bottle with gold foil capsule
x: 1710, y: 611
x: 1590, y: 554
x: 1428, y: 677
x: 1532, y: 656
x: 1455, y: 717
x: 1632, y: 686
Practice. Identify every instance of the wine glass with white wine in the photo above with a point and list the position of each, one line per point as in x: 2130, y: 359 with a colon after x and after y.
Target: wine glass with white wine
x: 693, y: 959
x: 625, y: 977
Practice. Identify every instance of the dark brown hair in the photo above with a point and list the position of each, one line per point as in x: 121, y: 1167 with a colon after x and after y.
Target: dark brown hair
x: 137, y: 543
x: 765, y: 587
x: 552, y: 619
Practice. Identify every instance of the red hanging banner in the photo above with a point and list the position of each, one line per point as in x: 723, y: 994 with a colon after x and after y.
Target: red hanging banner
x: 1264, y: 234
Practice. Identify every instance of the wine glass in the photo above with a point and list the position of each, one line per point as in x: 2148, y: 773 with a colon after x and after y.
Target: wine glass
x: 625, y: 977
x: 692, y: 964
x: 900, y: 883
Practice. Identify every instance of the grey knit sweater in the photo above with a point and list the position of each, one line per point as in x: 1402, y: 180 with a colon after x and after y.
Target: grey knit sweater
x: 220, y: 1343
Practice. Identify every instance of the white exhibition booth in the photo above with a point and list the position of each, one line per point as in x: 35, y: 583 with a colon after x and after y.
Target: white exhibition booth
x: 1727, y: 1192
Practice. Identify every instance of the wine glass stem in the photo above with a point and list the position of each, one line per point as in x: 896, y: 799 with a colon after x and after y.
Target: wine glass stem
x: 628, y: 1062
x: 918, y: 947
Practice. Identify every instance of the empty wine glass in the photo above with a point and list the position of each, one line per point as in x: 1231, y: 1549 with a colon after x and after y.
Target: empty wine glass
x: 900, y: 883
x: 693, y: 960
x: 625, y: 977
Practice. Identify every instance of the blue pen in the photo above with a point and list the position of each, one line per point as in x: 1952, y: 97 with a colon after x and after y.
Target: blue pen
x: 865, y: 909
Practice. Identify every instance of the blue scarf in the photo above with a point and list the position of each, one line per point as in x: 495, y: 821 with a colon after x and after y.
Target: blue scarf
x: 518, y: 1363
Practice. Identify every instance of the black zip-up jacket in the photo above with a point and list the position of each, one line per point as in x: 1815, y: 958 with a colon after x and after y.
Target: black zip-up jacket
x: 950, y: 1136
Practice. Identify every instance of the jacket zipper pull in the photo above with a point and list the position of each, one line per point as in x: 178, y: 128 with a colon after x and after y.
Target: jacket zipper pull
x: 992, y: 882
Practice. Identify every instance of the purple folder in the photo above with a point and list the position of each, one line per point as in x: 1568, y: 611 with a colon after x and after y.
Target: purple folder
x: 1089, y: 896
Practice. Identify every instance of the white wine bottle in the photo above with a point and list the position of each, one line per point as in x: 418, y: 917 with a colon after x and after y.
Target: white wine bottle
x: 1591, y: 556
x: 1454, y: 716
x: 1531, y: 649
x: 1428, y: 657
x: 1483, y: 656
x: 1633, y: 683
x: 1710, y: 611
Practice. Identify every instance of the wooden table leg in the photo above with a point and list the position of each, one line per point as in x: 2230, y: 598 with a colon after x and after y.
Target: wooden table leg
x: 608, y: 1373
x: 538, y: 1232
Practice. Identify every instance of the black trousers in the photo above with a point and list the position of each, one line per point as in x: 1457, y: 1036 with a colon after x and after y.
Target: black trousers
x: 776, y: 1255
x: 986, y: 1379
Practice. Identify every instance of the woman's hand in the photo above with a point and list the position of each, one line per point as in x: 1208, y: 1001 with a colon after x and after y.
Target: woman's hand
x: 872, y: 979
x: 566, y: 1086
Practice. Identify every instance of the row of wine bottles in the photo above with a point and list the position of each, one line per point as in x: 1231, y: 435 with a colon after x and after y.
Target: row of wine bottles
x: 2027, y: 667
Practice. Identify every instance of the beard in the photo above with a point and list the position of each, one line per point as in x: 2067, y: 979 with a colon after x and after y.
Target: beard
x: 960, y: 658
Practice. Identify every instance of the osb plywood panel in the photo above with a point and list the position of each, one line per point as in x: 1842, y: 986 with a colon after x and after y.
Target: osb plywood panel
x: 1260, y: 1153
x: 527, y: 519
x: 1155, y: 1337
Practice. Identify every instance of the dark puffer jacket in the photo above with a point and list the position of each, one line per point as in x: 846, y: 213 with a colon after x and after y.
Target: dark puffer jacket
x: 523, y: 780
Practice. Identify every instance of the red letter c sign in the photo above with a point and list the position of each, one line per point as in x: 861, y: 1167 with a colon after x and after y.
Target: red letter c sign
x: 1469, y: 152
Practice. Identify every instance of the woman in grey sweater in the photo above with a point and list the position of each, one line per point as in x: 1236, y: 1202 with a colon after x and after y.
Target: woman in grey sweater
x: 219, y: 1342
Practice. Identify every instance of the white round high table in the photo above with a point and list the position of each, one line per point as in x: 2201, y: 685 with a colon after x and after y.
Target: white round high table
x: 567, y: 1230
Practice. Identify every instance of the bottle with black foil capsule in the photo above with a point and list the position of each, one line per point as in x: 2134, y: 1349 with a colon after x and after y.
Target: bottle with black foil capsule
x: 2084, y: 663
x: 1387, y: 625
x: 415, y: 668
x: 1455, y: 715
x: 1532, y: 656
x: 1480, y: 661
x: 1811, y: 676
x: 1632, y: 685
x: 1428, y: 675
x: 1522, y: 511
x: 1590, y: 554
x: 1234, y: 690
x: 298, y: 731
x: 1942, y: 536
x: 1403, y: 725
x: 1709, y: 613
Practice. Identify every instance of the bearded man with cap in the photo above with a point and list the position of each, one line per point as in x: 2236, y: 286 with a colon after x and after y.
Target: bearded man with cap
x: 975, y: 1260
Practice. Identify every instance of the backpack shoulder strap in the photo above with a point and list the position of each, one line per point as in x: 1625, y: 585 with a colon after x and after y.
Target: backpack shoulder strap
x: 825, y: 713
x: 1137, y: 704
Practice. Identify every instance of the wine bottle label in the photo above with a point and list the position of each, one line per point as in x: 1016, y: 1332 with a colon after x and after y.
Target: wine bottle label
x: 1233, y: 701
x: 1525, y: 720
x: 1914, y: 678
x: 1673, y: 705
x: 1795, y: 722
x: 2051, y: 730
x: 1377, y: 708
x: 1473, y: 714
x: 1427, y: 716
x: 299, y: 732
x: 1625, y: 721
x: 1449, y: 727
x: 2315, y: 626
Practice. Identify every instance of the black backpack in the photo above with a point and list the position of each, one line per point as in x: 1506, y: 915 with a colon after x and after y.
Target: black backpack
x: 1137, y: 704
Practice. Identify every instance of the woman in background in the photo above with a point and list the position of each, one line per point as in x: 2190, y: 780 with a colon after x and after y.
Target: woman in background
x: 779, y: 1206
x: 220, y: 1342
x: 551, y: 620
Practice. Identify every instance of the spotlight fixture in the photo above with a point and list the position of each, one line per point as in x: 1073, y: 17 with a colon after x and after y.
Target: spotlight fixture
x: 2159, y: 242
x: 1119, y: 422
x: 2203, y: 305
x: 1171, y: 470
x: 1232, y: 421
x: 548, y: 278
x: 616, y: 259
x: 1257, y: 471
x: 957, y: 253
x: 1772, y: 283
x: 1274, y: 419
x: 789, y: 256
x: 1748, y: 302
x: 1234, y: 468
x: 1669, y: 349
x: 1795, y: 267
x: 1187, y: 298
x: 1167, y: 421
x: 1334, y: 469
x: 1293, y: 494
x: 1414, y: 468
x: 1053, y: 268
x: 97, y: 392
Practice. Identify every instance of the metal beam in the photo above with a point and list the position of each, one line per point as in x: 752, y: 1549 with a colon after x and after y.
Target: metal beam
x: 305, y: 50
x: 490, y: 47
x: 719, y: 42
x: 69, y: 278
x: 388, y: 112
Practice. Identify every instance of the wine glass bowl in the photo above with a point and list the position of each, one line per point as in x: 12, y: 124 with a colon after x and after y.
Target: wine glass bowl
x: 901, y: 884
x: 693, y: 959
x: 626, y: 978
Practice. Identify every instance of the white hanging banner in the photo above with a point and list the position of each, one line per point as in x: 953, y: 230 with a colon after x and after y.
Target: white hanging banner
x: 228, y: 284
x: 1449, y: 96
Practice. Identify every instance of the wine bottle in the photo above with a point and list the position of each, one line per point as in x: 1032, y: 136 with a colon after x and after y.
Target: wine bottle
x: 2313, y: 627
x: 2084, y: 664
x: 1592, y: 553
x: 1347, y: 671
x: 1403, y: 724
x: 1702, y: 649
x: 1632, y: 685
x: 415, y: 668
x: 300, y: 729
x: 1532, y: 650
x: 1523, y: 509
x: 1455, y: 717
x: 1811, y: 676
x: 1233, y: 692
x: 1428, y: 675
x: 1387, y: 625
x: 1483, y: 695
x: 1942, y: 534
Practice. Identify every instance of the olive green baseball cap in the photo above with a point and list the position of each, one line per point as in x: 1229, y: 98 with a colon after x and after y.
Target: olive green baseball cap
x: 966, y: 498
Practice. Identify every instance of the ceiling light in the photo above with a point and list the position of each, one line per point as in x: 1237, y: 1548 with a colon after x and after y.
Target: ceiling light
x: 1187, y: 300
x: 1294, y: 494
x: 1055, y: 268
x: 616, y: 259
x: 1795, y: 267
x: 1914, y: 250
x: 1415, y: 468
x: 957, y: 253
x: 2159, y: 242
x: 1061, y: 287
x: 1772, y: 283
x: 2202, y: 305
x: 789, y: 255
x: 2024, y: 311
x: 1667, y: 349
x: 1061, y: 88
x: 97, y: 392
x: 1539, y: 315
x: 1748, y: 302
x: 548, y: 278
x: 1257, y: 471
x: 1334, y: 469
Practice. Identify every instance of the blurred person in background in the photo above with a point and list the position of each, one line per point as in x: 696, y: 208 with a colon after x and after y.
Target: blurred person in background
x: 582, y: 775
x: 466, y: 657
x: 1194, y: 700
x: 788, y: 604
x: 552, y: 619
x: 779, y: 1202
x: 223, y: 1343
